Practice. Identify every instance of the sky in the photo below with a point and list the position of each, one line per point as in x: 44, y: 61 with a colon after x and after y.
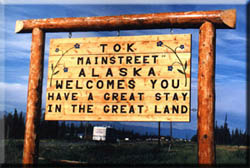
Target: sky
x: 230, y: 54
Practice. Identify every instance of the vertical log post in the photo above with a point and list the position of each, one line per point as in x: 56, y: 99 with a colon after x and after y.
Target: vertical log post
x: 31, y: 139
x: 206, y: 94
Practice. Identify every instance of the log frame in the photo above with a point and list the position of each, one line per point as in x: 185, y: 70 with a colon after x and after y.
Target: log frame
x: 206, y: 94
x: 223, y: 19
x: 34, y: 100
x: 205, y: 20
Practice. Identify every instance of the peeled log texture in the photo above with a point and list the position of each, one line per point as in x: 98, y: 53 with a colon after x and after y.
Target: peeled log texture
x: 220, y: 18
x: 31, y: 141
x: 206, y: 94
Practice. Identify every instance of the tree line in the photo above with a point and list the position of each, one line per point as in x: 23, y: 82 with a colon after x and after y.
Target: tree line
x: 15, y: 128
x: 223, y: 136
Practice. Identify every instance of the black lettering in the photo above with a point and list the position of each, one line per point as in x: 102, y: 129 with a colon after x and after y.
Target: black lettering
x: 175, y: 97
x: 184, y: 109
x: 58, y: 108
x: 173, y: 84
x: 158, y: 96
x: 74, y: 96
x: 68, y: 83
x: 110, y: 83
x: 77, y: 85
x: 96, y: 60
x: 136, y: 72
x: 151, y: 71
x: 129, y: 60
x: 106, y: 96
x: 82, y: 73
x: 99, y: 84
x: 131, y: 84
x: 166, y: 94
x: 123, y: 72
x: 90, y: 97
x: 80, y: 60
x: 66, y: 95
x: 58, y: 97
x: 175, y: 109
x: 137, y: 59
x: 88, y: 61
x: 50, y: 96
x: 153, y: 83
x: 90, y: 110
x: 87, y: 84
x: 59, y: 85
x: 93, y: 73
x: 123, y: 96
x: 103, y: 46
x: 117, y: 47
x: 132, y: 97
x: 155, y: 57
x: 109, y: 72
x: 120, y: 59
x: 74, y: 106
x: 132, y: 109
x: 112, y: 60
x: 145, y: 59
x: 50, y: 108
x: 104, y: 60
x: 156, y: 111
x: 129, y: 47
x: 114, y: 108
x: 184, y: 96
x: 140, y: 96
x: 81, y: 108
x: 140, y: 108
x: 123, y: 109
x: 164, y: 84
x: 106, y: 109
x: 115, y: 96
x: 120, y: 83
x: 166, y: 109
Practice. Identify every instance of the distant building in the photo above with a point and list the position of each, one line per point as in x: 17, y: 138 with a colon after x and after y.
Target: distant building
x: 101, y: 133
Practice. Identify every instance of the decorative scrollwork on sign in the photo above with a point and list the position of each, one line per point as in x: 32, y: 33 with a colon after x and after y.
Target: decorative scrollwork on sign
x: 170, y: 68
x: 54, y: 69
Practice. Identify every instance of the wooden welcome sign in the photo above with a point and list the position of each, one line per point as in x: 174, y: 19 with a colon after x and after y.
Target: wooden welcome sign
x: 129, y: 78
x: 77, y: 57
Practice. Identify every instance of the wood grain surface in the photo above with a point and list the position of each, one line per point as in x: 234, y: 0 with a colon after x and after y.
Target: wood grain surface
x: 128, y: 78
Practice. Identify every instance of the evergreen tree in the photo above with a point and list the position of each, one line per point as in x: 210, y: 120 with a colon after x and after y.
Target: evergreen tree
x: 21, y: 126
x: 81, y: 128
x: 236, y: 137
x: 226, y: 133
x: 72, y: 130
x: 194, y: 138
x: 44, y: 127
x: 62, y: 130
x: 15, y: 126
x: 15, y: 129
x: 9, y: 126
x: 216, y: 133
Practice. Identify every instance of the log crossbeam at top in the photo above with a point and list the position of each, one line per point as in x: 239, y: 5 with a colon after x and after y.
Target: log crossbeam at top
x: 221, y: 19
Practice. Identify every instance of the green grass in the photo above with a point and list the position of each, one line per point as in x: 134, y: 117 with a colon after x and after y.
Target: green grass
x: 125, y: 153
x: 13, y: 151
x: 231, y: 155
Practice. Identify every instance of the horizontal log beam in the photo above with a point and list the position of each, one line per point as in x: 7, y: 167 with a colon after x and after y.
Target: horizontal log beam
x: 222, y: 19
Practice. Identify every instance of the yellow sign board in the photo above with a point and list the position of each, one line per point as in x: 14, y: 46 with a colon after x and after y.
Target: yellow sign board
x: 127, y: 78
